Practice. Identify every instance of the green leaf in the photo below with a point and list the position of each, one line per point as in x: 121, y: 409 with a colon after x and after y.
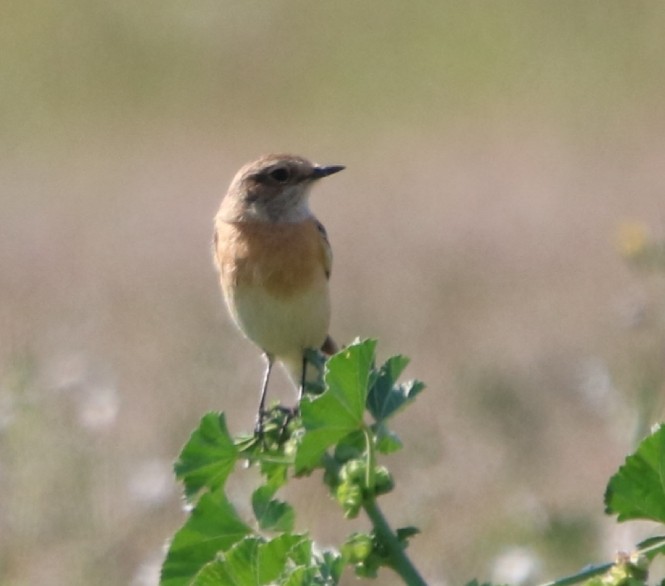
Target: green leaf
x: 405, y: 533
x: 339, y: 410
x: 386, y: 378
x: 346, y: 377
x: 298, y: 576
x: 214, y: 573
x: 387, y: 441
x: 286, y: 559
x: 275, y: 471
x: 255, y: 562
x: 300, y: 550
x: 208, y: 457
x: 212, y: 527
x: 331, y: 566
x: 239, y: 567
x: 275, y: 554
x: 351, y: 446
x: 637, y: 490
x: 272, y: 514
x: 386, y: 397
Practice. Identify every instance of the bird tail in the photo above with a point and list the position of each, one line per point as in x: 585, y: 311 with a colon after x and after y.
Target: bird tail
x: 313, y: 379
x: 329, y: 347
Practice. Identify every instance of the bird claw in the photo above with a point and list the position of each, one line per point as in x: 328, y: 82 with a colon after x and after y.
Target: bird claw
x: 279, y: 415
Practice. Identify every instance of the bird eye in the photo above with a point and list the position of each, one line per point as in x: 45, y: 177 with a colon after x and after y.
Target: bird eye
x: 281, y: 174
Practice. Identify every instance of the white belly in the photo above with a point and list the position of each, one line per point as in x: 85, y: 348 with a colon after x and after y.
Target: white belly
x: 283, y: 327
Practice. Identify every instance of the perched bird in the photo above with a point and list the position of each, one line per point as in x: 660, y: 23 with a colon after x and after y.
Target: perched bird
x: 274, y: 262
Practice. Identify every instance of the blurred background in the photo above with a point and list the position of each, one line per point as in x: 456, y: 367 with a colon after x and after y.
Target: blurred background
x: 504, y: 171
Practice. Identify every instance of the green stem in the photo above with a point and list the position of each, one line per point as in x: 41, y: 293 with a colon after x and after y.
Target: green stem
x: 371, y: 461
x: 399, y: 561
x: 653, y: 547
x: 585, y: 574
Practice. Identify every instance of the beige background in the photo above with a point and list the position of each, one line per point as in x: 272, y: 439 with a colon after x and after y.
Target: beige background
x: 493, y: 153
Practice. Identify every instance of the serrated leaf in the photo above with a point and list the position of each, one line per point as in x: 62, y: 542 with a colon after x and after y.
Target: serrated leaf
x: 212, y: 527
x: 331, y: 567
x: 300, y: 551
x: 346, y: 377
x: 253, y: 562
x: 339, y: 410
x: 387, y: 442
x: 272, y: 514
x: 351, y: 446
x: 386, y: 378
x: 212, y: 574
x: 637, y: 490
x: 289, y: 547
x: 238, y: 567
x: 276, y: 473
x: 298, y: 576
x: 386, y: 397
x: 208, y: 457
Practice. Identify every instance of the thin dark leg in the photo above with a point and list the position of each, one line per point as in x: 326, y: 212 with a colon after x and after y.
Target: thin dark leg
x: 264, y: 393
x: 303, y: 379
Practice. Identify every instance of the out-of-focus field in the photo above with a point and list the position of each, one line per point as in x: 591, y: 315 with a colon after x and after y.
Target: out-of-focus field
x: 493, y: 152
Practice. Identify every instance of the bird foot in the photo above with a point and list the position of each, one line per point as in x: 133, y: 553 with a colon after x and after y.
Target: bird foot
x: 279, y: 415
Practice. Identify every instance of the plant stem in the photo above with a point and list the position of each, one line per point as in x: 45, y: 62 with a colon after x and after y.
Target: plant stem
x: 652, y: 548
x: 399, y: 561
x: 585, y: 574
x: 371, y: 461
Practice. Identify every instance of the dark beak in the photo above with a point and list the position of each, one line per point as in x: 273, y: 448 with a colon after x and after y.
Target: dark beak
x: 320, y: 172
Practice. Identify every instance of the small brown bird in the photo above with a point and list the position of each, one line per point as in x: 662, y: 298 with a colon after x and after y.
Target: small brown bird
x: 274, y: 262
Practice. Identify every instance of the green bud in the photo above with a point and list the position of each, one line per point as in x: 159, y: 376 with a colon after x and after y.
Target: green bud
x: 640, y: 562
x: 357, y: 547
x: 383, y: 480
x: 291, y: 447
x: 350, y: 497
x: 354, y: 471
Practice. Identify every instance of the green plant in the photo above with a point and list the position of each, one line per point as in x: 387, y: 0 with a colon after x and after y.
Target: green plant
x: 331, y: 434
x: 636, y: 491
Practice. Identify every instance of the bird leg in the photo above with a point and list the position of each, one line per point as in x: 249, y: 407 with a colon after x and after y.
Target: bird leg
x: 264, y: 391
x: 303, y: 379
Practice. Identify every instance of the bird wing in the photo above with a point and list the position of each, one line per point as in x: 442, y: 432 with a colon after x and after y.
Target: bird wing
x: 327, y: 249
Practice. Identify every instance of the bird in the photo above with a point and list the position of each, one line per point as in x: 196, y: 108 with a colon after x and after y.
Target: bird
x: 274, y: 260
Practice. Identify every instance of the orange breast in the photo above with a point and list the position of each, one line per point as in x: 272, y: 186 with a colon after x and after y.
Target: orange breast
x: 284, y: 258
